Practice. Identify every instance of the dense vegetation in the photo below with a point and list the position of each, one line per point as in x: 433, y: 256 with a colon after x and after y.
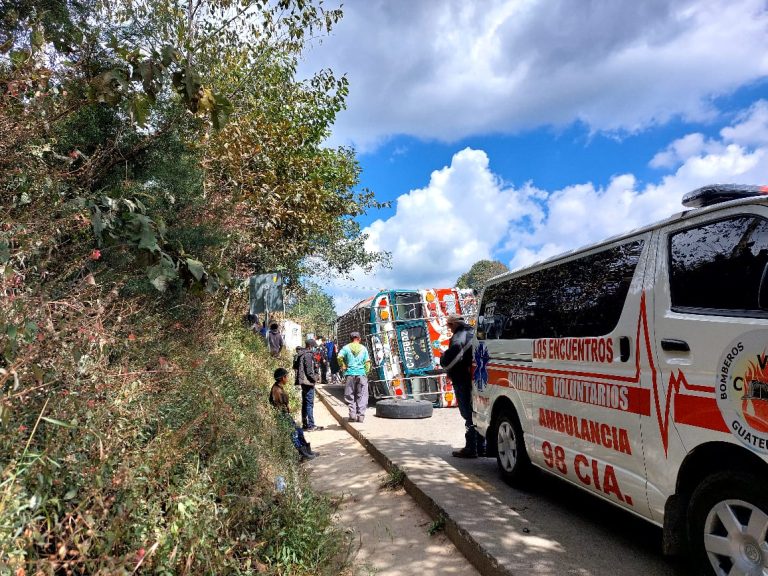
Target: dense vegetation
x: 480, y: 272
x: 153, y: 153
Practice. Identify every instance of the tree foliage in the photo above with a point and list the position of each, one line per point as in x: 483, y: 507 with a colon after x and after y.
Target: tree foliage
x: 479, y: 274
x: 150, y: 150
x: 314, y: 309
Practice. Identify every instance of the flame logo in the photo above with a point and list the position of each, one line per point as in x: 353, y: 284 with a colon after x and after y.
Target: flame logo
x: 754, y: 402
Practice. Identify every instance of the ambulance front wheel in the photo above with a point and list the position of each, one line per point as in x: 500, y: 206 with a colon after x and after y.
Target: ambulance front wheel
x: 511, y: 456
x: 728, y: 521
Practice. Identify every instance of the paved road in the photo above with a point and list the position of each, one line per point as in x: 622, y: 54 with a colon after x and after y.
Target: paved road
x: 549, y: 528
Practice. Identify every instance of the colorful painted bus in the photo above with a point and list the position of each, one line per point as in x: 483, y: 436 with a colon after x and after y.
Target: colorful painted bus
x: 405, y: 333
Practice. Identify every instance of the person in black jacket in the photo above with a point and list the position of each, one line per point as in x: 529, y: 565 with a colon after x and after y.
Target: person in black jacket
x: 275, y: 340
x: 457, y: 361
x: 306, y: 377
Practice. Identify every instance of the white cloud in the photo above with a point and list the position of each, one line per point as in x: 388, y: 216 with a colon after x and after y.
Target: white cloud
x: 451, y: 68
x: 439, y: 231
x: 466, y: 213
x: 752, y: 128
x: 582, y: 214
x: 679, y: 150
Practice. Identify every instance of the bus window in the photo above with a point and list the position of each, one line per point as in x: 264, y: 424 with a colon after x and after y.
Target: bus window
x: 408, y: 306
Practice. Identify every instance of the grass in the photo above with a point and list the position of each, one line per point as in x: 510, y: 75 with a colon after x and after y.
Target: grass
x: 169, y: 469
x: 394, y: 479
x: 437, y: 525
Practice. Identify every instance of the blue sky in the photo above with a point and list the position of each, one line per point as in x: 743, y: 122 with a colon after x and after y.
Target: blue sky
x: 518, y: 129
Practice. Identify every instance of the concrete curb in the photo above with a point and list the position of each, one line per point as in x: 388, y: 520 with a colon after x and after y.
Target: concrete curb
x: 477, y: 555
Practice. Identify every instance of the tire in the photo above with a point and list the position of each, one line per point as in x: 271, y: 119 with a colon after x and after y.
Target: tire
x: 403, y: 408
x: 727, y: 525
x: 511, y: 456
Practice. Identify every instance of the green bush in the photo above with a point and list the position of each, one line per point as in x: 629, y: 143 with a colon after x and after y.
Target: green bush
x: 171, y: 470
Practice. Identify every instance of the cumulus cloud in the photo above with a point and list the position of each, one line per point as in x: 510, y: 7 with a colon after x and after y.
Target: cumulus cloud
x: 585, y: 213
x: 751, y: 129
x: 451, y: 68
x: 465, y: 213
x: 440, y: 230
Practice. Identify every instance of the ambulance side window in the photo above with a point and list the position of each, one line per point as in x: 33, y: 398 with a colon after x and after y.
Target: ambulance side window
x: 578, y: 298
x: 718, y: 267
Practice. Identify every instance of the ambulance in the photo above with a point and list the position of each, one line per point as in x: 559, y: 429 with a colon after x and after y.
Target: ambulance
x: 637, y: 369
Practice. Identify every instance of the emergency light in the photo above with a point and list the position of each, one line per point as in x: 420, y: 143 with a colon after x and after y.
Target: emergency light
x: 716, y: 193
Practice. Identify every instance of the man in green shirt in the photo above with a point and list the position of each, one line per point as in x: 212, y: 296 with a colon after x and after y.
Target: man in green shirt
x: 355, y: 363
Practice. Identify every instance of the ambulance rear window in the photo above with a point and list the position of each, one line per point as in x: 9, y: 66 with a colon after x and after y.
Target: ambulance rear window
x: 718, y: 267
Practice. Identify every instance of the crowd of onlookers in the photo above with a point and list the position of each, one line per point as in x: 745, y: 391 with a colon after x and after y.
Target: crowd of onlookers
x: 318, y: 361
x: 321, y: 361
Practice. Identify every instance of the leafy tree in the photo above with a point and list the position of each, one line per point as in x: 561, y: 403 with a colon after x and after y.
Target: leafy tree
x: 314, y: 309
x: 149, y: 149
x: 479, y: 274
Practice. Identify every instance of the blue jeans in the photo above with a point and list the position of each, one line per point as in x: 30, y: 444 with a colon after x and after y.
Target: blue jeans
x: 297, y: 434
x: 307, y: 406
x: 473, y: 441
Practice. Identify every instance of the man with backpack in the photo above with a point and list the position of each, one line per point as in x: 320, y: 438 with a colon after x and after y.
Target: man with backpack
x: 306, y: 377
x: 355, y: 363
x: 457, y: 361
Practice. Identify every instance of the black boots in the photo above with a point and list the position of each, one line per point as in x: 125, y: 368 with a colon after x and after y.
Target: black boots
x: 305, y: 450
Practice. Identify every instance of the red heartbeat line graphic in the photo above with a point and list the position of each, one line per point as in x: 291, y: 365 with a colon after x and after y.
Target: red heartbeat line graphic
x: 681, y: 408
x: 700, y: 411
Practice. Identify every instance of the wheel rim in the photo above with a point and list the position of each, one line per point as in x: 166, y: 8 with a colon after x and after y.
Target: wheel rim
x: 507, y: 446
x: 734, y: 539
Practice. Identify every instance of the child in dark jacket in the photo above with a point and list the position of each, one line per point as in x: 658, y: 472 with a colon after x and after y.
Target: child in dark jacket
x: 279, y: 399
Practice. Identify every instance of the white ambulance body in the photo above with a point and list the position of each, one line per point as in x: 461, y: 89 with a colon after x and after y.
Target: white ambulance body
x: 637, y: 369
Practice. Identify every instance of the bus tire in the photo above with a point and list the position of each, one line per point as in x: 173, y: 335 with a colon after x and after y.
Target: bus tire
x: 511, y: 456
x: 404, y: 408
x: 734, y: 500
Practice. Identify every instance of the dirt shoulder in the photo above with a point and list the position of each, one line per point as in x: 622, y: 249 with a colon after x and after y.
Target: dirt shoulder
x: 390, y: 531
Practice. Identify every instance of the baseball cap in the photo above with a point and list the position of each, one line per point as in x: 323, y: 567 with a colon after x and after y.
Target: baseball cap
x: 280, y: 372
x: 354, y: 335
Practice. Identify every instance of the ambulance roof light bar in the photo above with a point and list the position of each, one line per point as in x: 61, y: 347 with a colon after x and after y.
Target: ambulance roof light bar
x: 716, y: 193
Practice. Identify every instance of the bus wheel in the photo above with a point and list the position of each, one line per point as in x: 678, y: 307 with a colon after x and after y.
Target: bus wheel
x: 728, y: 521
x: 511, y: 456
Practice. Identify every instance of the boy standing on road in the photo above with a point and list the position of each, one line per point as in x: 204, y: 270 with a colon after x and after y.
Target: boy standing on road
x: 279, y: 399
x: 355, y: 363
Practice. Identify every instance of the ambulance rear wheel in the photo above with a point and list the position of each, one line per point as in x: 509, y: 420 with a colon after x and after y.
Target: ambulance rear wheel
x: 511, y: 456
x: 728, y: 522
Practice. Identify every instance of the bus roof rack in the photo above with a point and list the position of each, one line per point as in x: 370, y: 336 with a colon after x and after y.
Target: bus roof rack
x: 716, y: 193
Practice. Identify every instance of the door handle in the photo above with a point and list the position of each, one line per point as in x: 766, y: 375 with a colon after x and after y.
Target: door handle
x: 672, y: 345
x: 624, y: 348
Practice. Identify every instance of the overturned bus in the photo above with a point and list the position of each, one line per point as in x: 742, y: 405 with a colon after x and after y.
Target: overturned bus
x: 405, y: 332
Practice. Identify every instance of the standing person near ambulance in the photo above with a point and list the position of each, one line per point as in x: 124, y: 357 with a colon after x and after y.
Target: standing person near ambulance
x: 355, y: 363
x: 457, y: 361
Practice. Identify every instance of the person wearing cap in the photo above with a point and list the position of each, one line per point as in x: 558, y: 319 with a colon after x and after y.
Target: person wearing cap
x: 355, y: 363
x: 306, y: 377
x: 457, y: 361
x: 278, y: 398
